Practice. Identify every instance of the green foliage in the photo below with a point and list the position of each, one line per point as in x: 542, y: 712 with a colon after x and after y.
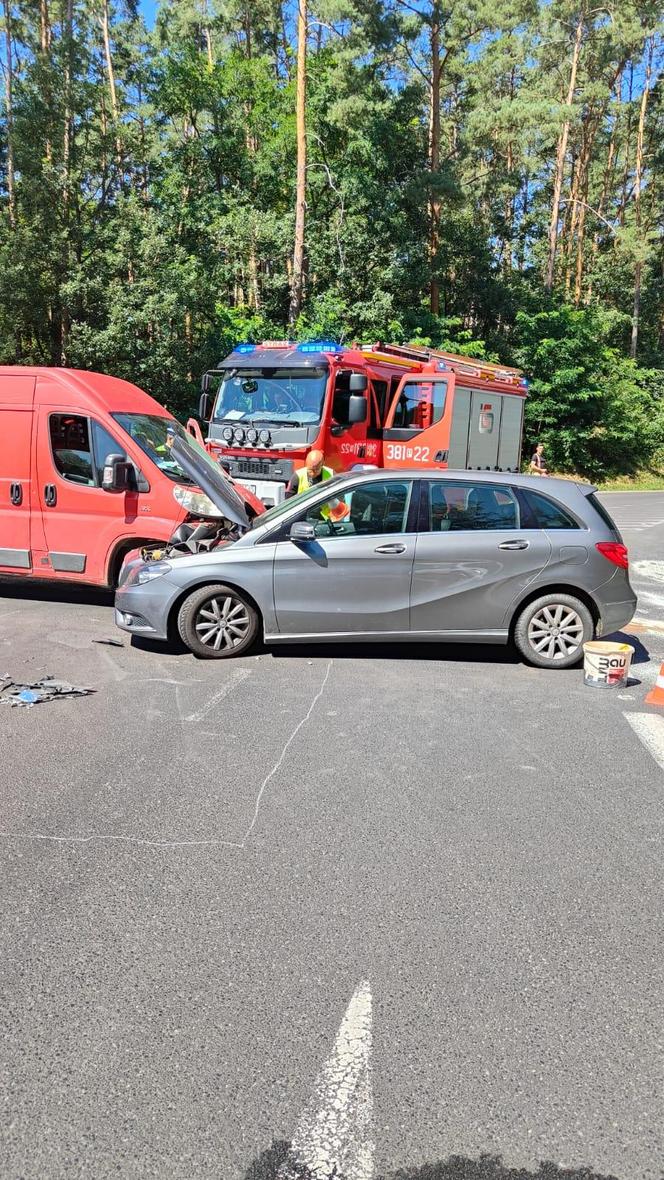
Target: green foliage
x: 159, y: 231
x: 596, y: 411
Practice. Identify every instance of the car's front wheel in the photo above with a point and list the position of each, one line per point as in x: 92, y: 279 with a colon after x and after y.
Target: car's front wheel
x: 217, y: 622
x: 551, y: 631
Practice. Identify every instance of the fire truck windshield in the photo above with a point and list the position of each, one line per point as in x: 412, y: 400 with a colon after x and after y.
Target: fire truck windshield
x: 275, y: 397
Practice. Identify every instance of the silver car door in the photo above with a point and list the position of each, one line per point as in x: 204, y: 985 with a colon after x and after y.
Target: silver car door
x: 354, y: 577
x: 472, y: 558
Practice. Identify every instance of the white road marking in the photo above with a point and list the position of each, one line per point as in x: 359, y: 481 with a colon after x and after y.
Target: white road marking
x: 333, y: 1136
x: 235, y: 679
x: 649, y: 728
x: 654, y: 570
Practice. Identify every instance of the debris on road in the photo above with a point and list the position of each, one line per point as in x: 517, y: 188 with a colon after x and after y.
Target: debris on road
x: 110, y: 642
x: 18, y: 694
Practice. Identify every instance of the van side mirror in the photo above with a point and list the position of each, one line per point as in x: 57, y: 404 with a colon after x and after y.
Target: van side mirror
x: 205, y: 406
x: 302, y: 531
x: 358, y: 383
x: 357, y: 409
x: 117, y: 475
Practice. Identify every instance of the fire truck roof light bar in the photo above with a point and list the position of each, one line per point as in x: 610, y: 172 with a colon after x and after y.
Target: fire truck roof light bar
x: 244, y: 347
x: 320, y: 346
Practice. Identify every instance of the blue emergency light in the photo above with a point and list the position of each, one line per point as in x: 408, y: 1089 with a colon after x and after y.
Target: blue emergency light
x: 320, y: 346
x: 244, y: 348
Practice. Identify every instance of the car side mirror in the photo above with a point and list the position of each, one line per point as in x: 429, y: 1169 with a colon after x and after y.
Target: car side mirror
x: 117, y: 475
x: 358, y: 383
x: 205, y: 406
x: 357, y: 409
x: 302, y: 531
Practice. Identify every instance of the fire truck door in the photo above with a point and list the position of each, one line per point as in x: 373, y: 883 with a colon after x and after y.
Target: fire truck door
x: 347, y: 444
x: 415, y: 431
x: 16, y: 423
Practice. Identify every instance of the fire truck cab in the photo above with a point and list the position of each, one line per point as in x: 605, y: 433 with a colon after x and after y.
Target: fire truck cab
x: 269, y: 404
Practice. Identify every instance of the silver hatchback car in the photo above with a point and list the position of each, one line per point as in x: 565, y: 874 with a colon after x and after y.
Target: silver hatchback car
x: 457, y: 556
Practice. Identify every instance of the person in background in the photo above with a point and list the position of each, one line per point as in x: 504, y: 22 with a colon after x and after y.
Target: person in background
x: 308, y: 476
x: 538, y: 462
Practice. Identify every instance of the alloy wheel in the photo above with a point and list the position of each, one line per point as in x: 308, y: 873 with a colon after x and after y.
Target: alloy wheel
x: 555, y: 631
x: 222, y: 622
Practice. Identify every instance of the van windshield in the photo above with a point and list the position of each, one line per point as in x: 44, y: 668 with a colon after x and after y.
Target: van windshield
x: 154, y: 436
x: 271, y: 397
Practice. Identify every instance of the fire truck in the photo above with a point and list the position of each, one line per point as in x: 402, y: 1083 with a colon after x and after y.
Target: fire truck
x: 267, y: 405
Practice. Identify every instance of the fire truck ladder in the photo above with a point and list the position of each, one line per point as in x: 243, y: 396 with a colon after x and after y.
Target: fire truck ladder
x: 459, y: 364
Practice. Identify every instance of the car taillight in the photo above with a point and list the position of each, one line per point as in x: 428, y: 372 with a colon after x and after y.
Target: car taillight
x: 615, y: 552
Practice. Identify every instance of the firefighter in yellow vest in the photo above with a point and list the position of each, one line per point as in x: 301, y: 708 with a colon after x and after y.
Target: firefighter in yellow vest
x: 313, y: 473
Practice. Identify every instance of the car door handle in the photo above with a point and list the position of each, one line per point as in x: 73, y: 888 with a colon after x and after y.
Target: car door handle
x: 50, y: 495
x: 514, y: 545
x: 390, y: 549
x: 16, y: 494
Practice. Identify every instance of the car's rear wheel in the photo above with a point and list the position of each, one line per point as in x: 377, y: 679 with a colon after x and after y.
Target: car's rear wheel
x: 217, y: 622
x: 550, y: 632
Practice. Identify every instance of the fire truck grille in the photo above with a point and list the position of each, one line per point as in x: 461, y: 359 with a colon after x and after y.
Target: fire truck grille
x: 254, y: 466
x: 279, y: 469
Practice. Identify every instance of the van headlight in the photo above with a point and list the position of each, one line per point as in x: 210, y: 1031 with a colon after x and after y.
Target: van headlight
x: 197, y: 503
x: 146, y: 573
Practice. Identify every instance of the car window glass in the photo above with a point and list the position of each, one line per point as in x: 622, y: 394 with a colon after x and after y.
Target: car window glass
x: 105, y: 444
x: 547, y: 513
x: 464, y: 506
x: 70, y: 444
x: 366, y: 510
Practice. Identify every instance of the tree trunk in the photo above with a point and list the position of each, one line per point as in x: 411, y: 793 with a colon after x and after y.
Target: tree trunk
x: 115, y: 112
x: 45, y: 49
x: 207, y: 33
x: 297, y: 282
x: 434, y: 155
x: 67, y: 147
x: 638, y: 180
x: 561, y: 154
x: 9, y: 115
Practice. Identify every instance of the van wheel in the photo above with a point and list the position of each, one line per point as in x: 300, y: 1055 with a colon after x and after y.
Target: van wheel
x: 551, y: 631
x: 216, y: 622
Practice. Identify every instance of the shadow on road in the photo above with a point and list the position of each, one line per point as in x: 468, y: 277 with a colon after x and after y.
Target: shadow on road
x: 444, y: 653
x: 56, y: 592
x: 455, y: 1167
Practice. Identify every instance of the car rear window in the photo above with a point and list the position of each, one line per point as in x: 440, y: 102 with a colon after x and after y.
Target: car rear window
x: 601, y: 510
x: 548, y: 514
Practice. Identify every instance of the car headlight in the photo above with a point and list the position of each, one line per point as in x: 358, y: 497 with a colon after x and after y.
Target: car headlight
x: 197, y: 503
x: 147, y: 572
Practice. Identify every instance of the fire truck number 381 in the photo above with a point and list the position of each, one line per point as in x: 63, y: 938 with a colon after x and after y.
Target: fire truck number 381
x: 403, y: 451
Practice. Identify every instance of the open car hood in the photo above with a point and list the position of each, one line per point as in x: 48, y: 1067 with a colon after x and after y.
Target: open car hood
x: 213, y: 482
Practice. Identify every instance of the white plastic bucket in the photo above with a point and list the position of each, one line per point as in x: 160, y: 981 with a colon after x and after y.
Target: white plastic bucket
x: 606, y: 664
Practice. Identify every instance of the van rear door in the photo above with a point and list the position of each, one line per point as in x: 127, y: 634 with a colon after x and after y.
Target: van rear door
x: 16, y: 424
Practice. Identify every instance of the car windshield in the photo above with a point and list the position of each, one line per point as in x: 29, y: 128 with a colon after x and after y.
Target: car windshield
x: 154, y: 435
x: 288, y: 397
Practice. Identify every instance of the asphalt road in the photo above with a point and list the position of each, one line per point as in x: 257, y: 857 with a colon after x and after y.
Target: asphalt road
x: 330, y: 898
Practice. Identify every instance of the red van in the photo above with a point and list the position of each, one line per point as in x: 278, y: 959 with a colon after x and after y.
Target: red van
x: 88, y: 472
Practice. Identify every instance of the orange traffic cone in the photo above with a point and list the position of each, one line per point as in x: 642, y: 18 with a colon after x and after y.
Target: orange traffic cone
x: 656, y: 695
x: 338, y: 510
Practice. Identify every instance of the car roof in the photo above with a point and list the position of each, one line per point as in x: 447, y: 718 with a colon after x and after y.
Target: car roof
x: 558, y: 486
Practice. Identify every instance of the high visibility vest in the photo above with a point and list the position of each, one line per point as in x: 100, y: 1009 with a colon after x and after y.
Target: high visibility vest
x: 303, y: 483
x: 337, y: 510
